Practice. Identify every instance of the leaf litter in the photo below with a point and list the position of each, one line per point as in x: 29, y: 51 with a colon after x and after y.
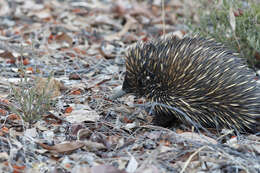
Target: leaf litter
x: 80, y: 46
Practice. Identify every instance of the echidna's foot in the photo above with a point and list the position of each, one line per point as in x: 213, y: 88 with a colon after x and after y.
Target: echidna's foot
x: 165, y: 120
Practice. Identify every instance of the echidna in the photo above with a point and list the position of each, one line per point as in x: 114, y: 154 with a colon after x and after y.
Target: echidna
x: 194, y: 80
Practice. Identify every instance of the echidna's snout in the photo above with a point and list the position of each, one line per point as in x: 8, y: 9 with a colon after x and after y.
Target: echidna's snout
x: 121, y: 90
x: 118, y: 92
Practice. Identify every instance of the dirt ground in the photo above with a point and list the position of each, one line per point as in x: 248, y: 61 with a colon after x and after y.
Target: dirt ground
x: 74, y: 50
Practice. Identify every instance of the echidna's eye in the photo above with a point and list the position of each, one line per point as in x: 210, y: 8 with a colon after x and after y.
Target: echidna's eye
x: 140, y: 82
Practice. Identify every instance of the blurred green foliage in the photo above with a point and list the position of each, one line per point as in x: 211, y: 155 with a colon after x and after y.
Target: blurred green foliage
x: 236, y: 23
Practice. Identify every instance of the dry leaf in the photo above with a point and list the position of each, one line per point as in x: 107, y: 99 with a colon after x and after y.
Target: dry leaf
x: 64, y: 38
x: 4, y: 155
x: 93, y: 146
x: 98, y: 80
x: 4, y: 8
x: 3, y: 112
x: 68, y: 110
x: 42, y: 14
x: 148, y: 169
x: 105, y: 169
x: 132, y: 165
x: 196, y: 137
x: 78, y: 116
x: 53, y: 87
x: 81, y: 169
x: 7, y: 55
x: 31, y: 132
x: 63, y: 147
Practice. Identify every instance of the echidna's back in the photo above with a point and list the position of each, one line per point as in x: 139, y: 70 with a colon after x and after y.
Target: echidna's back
x: 199, y: 77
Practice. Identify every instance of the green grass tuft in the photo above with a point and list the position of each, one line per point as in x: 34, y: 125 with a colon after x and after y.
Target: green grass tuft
x: 216, y: 20
x: 30, y: 103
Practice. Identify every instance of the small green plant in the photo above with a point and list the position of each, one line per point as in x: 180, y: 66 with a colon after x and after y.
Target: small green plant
x: 31, y: 104
x: 235, y: 23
